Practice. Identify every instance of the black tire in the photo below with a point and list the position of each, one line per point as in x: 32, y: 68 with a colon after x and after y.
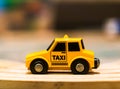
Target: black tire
x: 41, y: 66
x: 83, y: 67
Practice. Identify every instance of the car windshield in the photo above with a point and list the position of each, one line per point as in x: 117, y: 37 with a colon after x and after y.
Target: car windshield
x: 50, y: 45
x: 82, y: 44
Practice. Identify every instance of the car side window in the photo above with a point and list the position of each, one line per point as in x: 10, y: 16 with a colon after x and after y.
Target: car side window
x: 73, y: 46
x: 60, y: 47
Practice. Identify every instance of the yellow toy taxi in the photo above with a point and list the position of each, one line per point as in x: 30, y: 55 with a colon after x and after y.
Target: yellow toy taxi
x: 63, y: 54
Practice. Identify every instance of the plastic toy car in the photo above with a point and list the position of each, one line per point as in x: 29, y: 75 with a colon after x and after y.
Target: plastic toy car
x: 63, y: 54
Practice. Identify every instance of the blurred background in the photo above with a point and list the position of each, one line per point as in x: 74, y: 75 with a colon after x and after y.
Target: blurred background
x: 30, y: 25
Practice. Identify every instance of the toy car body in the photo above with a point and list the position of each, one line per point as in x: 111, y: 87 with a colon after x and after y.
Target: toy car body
x: 63, y: 54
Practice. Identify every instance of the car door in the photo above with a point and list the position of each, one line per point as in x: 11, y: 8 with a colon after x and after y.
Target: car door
x: 73, y: 50
x: 58, y: 54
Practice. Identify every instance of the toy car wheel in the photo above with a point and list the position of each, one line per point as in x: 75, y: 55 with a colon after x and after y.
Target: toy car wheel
x: 39, y: 67
x: 80, y: 67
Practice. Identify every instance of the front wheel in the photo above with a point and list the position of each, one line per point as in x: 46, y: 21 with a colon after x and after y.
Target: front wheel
x: 80, y: 67
x: 39, y: 67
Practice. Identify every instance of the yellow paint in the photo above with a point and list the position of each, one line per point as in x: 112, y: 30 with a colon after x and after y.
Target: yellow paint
x: 62, y: 60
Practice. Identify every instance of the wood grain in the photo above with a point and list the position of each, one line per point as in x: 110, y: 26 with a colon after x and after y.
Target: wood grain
x: 13, y: 74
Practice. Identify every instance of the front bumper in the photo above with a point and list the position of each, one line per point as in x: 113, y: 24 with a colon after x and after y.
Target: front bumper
x: 96, y: 63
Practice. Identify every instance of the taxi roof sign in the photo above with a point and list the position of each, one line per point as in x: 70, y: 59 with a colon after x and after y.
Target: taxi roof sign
x: 65, y: 36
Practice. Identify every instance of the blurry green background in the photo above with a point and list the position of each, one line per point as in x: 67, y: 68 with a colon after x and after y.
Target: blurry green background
x: 30, y: 25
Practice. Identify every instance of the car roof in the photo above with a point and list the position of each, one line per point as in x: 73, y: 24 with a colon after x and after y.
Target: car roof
x: 67, y: 38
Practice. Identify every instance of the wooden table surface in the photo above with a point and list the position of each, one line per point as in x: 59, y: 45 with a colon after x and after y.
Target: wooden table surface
x: 13, y: 74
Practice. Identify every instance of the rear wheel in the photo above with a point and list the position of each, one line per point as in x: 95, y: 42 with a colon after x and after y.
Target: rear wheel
x: 80, y: 67
x: 39, y: 67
